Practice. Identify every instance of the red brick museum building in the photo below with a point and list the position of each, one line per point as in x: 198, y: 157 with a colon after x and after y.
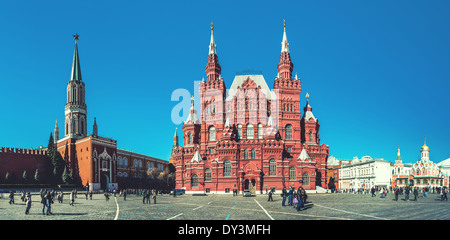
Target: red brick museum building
x: 250, y: 137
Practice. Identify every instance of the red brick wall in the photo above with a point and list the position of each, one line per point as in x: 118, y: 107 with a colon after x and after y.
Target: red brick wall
x: 17, y: 160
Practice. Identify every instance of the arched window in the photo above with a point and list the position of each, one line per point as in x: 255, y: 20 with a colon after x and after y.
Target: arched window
x: 82, y: 126
x: 119, y: 161
x: 249, y: 131
x: 207, y: 175
x: 212, y: 133
x: 194, y: 180
x: 311, y: 136
x: 292, y: 174
x: 190, y: 138
x: 239, y: 135
x: 272, y: 167
x: 288, y: 132
x: 246, y: 154
x: 260, y: 131
x: 227, y: 168
x: 305, y: 179
x: 253, y: 154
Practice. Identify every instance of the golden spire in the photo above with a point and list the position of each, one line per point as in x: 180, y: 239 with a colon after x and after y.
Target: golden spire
x: 212, y: 26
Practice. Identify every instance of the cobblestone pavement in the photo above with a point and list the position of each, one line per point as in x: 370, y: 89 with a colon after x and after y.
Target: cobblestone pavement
x: 227, y: 207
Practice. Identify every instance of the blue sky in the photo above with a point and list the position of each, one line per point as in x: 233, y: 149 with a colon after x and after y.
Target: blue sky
x: 377, y: 71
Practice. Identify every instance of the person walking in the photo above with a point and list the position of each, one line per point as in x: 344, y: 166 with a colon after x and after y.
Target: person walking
x: 154, y: 196
x: 407, y: 193
x: 444, y: 194
x: 144, y: 195
x: 72, y: 198
x: 60, y: 196
x: 43, y: 201
x: 290, y: 196
x: 301, y: 195
x: 124, y: 195
x: 396, y: 192
x: 284, y: 195
x: 28, y: 203
x: 372, y: 190
x: 148, y: 196
x: 416, y: 193
x: 425, y: 192
x: 49, y: 200
x: 11, y: 197
x: 90, y: 194
x: 106, y: 196
x: 270, y: 199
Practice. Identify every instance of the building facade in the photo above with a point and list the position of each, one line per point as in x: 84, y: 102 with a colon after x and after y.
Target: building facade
x: 364, y: 173
x: 424, y: 173
x: 94, y: 159
x: 250, y: 138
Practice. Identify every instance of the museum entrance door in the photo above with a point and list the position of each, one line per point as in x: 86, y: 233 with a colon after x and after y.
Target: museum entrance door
x: 104, y: 182
x: 250, y: 185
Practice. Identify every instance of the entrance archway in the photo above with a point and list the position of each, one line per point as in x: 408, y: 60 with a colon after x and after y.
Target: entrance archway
x: 250, y: 185
x: 104, y: 182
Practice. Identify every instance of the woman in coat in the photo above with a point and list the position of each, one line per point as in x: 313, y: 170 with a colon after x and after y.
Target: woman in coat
x: 154, y: 196
x: 28, y: 203
x: 72, y: 198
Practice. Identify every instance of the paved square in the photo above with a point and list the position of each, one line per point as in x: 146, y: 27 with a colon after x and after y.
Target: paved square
x: 227, y: 207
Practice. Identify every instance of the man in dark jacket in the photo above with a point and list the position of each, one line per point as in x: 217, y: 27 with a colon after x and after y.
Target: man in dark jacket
x: 416, y: 193
x: 49, y: 202
x: 284, y: 195
x: 291, y: 195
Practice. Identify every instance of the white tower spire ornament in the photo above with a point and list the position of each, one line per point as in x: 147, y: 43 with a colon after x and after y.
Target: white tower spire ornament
x: 212, y: 44
x: 284, y: 43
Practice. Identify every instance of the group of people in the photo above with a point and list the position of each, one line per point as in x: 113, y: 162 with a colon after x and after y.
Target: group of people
x: 147, y: 194
x: 297, y: 199
x: 47, y: 197
x: 415, y: 191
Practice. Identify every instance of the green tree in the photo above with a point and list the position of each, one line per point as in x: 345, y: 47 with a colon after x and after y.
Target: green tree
x: 37, y: 178
x: 25, y: 176
x: 55, y: 161
x: 7, y: 177
x: 65, y: 176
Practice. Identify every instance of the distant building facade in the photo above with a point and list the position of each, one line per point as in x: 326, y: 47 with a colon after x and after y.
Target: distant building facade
x: 364, y: 173
x: 424, y: 173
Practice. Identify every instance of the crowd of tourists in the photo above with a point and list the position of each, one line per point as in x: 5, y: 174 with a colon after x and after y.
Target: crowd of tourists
x: 410, y: 193
x: 297, y: 199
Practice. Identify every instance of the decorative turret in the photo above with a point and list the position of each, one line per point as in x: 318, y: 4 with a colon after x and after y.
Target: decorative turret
x: 95, y: 128
x: 285, y: 65
x: 56, y: 132
x: 174, y: 147
x: 212, y: 68
x: 309, y: 124
x: 399, y: 159
x: 425, y: 151
x: 191, y: 127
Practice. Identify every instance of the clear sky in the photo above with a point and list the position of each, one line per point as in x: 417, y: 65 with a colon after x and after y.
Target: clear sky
x: 378, y: 72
